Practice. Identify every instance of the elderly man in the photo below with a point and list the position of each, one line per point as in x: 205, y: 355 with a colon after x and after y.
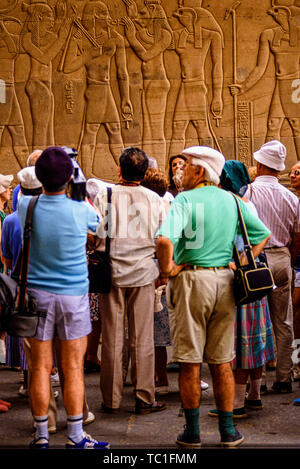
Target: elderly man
x: 279, y: 210
x: 137, y: 213
x: 200, y: 231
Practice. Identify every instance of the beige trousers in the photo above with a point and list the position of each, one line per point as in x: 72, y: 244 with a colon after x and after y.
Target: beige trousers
x: 138, y: 304
x: 52, y: 412
x: 281, y: 310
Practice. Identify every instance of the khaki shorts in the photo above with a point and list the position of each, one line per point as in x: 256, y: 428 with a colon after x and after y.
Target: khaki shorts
x: 202, y: 315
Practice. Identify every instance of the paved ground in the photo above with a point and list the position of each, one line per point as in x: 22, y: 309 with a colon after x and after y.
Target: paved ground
x: 277, y: 425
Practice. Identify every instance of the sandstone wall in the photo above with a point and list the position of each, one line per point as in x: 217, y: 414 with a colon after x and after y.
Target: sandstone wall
x: 157, y: 74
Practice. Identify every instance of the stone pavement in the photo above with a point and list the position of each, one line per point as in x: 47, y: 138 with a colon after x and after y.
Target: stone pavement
x: 277, y: 425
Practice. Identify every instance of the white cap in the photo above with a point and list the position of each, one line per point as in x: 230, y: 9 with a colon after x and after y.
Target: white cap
x: 271, y: 154
x: 5, y: 182
x: 28, y: 179
x: 95, y: 187
x: 209, y: 158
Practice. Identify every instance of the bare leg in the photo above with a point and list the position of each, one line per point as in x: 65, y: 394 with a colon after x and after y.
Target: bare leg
x: 72, y: 358
x: 223, y: 385
x: 189, y: 385
x: 41, y: 362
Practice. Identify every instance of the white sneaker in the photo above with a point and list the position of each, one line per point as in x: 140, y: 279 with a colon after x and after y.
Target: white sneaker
x: 204, y: 385
x: 90, y: 418
x: 55, y: 380
x: 23, y: 391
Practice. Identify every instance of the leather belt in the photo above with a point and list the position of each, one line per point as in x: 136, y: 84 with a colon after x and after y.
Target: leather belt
x: 200, y: 267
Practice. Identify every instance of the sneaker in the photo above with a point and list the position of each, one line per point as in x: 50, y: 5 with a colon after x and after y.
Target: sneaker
x: 144, y: 408
x: 162, y: 390
x: 187, y: 440
x: 90, y: 418
x: 40, y: 443
x: 204, y: 385
x: 3, y: 408
x: 87, y: 442
x: 238, y: 413
x: 297, y: 401
x: 229, y: 441
x: 255, y: 404
x: 55, y: 380
x: 23, y: 391
x: 280, y: 387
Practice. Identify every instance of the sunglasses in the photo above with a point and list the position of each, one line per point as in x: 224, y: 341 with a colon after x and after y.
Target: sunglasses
x: 294, y: 173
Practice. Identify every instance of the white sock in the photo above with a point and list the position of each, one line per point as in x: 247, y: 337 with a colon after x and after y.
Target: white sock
x: 239, y: 395
x: 254, y: 391
x: 75, y: 432
x: 41, y: 427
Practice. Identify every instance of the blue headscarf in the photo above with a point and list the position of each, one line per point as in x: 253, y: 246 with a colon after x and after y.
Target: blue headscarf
x: 235, y: 177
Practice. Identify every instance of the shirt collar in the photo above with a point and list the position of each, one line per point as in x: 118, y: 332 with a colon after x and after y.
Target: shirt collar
x: 269, y: 179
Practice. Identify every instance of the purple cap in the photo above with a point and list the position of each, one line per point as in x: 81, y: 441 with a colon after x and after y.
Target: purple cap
x: 54, y: 167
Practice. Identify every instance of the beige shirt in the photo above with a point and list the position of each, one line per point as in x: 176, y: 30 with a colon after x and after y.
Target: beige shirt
x: 277, y: 207
x: 136, y: 215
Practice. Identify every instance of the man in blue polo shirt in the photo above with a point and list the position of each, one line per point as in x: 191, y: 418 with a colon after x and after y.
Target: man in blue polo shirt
x: 199, y: 232
x: 58, y: 279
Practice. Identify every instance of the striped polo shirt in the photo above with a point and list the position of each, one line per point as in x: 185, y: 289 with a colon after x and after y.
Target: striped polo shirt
x: 277, y: 207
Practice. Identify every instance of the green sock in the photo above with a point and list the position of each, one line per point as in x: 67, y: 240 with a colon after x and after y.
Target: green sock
x: 192, y: 421
x: 226, y: 423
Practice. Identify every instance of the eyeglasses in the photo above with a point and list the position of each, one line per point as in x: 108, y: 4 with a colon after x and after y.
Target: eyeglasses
x: 294, y: 173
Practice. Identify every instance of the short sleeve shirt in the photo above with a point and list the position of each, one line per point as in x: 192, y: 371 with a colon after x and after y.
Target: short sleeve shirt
x: 202, y: 225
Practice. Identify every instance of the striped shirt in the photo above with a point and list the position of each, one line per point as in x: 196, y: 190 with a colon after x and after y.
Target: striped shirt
x: 277, y: 207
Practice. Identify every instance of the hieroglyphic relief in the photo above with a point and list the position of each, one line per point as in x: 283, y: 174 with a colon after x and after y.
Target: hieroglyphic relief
x: 160, y: 74
x: 283, y: 42
x: 10, y: 113
x: 99, y: 43
x: 199, y: 35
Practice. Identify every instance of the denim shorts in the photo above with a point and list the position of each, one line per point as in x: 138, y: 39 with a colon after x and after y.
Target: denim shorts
x: 67, y: 316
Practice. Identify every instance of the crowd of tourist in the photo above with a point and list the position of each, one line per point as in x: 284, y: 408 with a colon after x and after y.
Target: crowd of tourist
x: 171, y: 237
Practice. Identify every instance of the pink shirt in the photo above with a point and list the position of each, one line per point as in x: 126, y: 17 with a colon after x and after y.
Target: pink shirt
x: 277, y: 207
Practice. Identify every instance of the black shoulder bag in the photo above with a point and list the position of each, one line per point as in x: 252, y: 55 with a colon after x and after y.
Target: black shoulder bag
x: 252, y: 281
x: 99, y: 261
x: 18, y: 309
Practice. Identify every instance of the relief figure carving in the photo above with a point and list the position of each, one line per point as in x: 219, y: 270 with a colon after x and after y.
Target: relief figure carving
x: 283, y: 42
x: 42, y: 45
x: 200, y: 35
x: 93, y: 46
x: 149, y: 34
x: 10, y: 113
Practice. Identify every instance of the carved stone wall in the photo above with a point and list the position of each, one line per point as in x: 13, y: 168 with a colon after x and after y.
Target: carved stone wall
x: 158, y: 74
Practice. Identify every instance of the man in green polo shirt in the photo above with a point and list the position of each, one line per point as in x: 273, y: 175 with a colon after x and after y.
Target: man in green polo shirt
x: 199, y: 233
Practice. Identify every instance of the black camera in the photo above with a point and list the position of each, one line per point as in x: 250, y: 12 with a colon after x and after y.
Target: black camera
x: 77, y: 185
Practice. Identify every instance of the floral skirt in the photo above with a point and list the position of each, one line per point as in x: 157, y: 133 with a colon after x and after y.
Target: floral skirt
x: 254, y: 344
x: 162, y: 335
x: 94, y: 307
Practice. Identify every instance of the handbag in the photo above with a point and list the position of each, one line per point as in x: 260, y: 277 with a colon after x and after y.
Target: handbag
x: 18, y: 308
x: 99, y: 267
x: 253, y: 281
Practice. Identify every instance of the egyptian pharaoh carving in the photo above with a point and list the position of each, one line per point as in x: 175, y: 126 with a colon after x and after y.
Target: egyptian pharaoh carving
x: 98, y: 44
x: 10, y: 113
x: 199, y: 35
x: 42, y: 45
x: 149, y: 34
x: 283, y: 42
